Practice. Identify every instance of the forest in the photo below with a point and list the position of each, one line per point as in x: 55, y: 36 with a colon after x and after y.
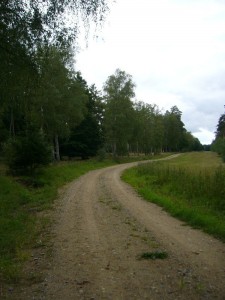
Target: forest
x: 48, y: 112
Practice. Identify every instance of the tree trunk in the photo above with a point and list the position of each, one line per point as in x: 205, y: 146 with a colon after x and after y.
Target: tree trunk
x: 12, y: 125
x: 137, y: 149
x: 128, y: 149
x: 57, y: 155
x: 114, y: 149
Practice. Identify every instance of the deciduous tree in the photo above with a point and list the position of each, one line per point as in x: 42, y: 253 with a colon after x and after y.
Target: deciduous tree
x: 119, y: 111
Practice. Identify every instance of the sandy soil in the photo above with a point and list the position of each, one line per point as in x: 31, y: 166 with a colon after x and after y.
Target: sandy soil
x: 100, y: 230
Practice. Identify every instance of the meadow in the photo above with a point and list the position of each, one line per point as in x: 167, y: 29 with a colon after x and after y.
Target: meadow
x: 190, y: 187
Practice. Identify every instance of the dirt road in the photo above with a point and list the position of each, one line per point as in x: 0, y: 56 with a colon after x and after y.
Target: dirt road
x: 102, y: 227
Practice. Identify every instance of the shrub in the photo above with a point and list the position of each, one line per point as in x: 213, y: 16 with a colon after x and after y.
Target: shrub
x: 24, y: 154
x: 101, y: 154
x: 219, y: 147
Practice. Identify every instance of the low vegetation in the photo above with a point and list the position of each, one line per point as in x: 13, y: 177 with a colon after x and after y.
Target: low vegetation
x: 191, y: 187
x: 154, y: 255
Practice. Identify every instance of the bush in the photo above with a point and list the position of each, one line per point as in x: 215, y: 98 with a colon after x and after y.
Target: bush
x: 219, y: 147
x: 101, y: 154
x: 24, y: 154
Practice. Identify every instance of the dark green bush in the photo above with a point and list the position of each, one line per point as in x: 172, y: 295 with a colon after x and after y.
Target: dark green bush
x: 24, y: 154
x: 219, y: 147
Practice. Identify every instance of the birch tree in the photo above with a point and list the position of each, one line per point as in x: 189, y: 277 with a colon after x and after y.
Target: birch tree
x: 62, y: 99
x: 119, y: 111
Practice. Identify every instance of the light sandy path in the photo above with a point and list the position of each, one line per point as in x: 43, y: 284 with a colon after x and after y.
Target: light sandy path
x: 102, y: 227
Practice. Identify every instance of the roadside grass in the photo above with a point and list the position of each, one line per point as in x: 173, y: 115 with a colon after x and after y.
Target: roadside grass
x: 23, y: 202
x: 190, y: 187
x: 133, y: 158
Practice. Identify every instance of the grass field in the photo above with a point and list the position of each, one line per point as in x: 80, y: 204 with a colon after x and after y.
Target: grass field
x: 190, y: 187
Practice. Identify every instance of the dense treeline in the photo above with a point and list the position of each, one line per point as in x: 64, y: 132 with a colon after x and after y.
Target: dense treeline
x: 47, y: 109
x: 218, y: 144
x: 139, y: 127
x: 63, y: 117
x: 41, y: 96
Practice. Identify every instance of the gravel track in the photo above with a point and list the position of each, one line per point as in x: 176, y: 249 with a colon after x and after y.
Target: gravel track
x: 102, y: 227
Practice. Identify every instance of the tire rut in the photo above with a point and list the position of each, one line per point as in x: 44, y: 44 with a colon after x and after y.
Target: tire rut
x: 102, y: 227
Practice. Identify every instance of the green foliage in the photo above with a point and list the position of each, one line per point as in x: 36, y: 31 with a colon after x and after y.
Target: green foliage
x: 38, y: 85
x: 155, y: 132
x: 26, y: 153
x: 219, y: 143
x: 174, y: 130
x: 190, y: 143
x: 119, y: 112
x: 83, y: 142
x: 148, y: 131
x: 30, y: 21
x: 86, y: 138
x: 55, y: 104
x: 220, y: 132
x: 187, y: 190
x: 37, y: 79
x: 101, y: 154
x: 61, y: 98
x: 219, y: 147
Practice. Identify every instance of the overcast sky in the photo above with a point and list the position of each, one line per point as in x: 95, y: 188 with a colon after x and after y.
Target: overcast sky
x: 175, y: 51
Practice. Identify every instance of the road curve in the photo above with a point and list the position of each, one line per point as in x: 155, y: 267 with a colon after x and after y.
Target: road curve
x: 102, y: 227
